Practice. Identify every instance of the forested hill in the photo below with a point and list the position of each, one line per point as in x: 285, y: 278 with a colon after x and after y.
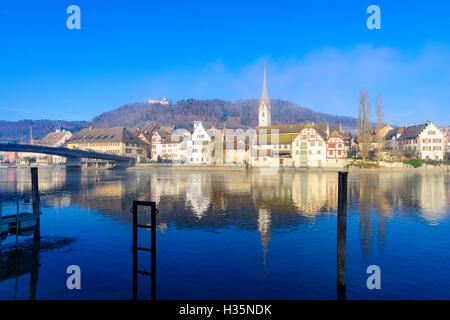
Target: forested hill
x: 19, y: 131
x: 240, y: 114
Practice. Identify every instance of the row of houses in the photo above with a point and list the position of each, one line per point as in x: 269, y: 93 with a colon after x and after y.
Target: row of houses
x: 297, y: 145
x: 425, y: 141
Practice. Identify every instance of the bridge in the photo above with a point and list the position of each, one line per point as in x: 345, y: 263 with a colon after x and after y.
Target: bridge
x: 73, y: 156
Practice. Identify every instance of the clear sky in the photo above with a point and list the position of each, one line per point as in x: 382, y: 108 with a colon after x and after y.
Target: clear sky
x: 319, y: 54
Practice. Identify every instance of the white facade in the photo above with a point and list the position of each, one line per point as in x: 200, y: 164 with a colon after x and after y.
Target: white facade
x: 427, y: 142
x: 309, y: 149
x: 199, y: 149
x: 431, y: 143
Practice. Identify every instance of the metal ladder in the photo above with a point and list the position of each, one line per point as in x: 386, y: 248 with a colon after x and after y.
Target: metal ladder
x: 136, y: 248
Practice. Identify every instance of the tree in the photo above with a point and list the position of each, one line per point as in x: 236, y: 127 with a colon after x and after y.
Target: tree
x: 380, y: 120
x: 364, y: 134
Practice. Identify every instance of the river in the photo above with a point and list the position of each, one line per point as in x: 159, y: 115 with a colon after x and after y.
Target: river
x: 225, y: 234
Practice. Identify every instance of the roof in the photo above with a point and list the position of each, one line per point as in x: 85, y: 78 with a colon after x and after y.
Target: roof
x: 283, y: 128
x: 264, y: 95
x: 412, y: 132
x: 347, y: 135
x: 335, y: 134
x: 335, y: 127
x: 322, y: 126
x: 150, y: 127
x: 390, y: 134
x: 102, y: 135
x: 54, y: 138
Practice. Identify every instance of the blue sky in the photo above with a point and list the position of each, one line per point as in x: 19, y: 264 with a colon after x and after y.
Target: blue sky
x: 319, y: 55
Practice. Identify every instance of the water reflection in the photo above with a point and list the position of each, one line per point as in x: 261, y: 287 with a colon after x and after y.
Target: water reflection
x: 244, y: 199
x: 249, y: 218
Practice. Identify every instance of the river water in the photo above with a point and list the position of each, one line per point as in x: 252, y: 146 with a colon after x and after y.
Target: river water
x: 226, y: 234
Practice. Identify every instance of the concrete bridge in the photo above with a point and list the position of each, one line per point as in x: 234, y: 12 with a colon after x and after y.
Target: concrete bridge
x: 73, y: 156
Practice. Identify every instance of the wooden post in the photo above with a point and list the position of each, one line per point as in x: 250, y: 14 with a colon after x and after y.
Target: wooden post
x: 17, y: 220
x: 36, y: 203
x: 342, y: 235
x: 153, y: 246
x: 135, y: 250
x: 1, y: 224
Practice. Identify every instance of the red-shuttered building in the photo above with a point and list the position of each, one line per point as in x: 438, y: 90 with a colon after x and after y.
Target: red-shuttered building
x: 336, y: 146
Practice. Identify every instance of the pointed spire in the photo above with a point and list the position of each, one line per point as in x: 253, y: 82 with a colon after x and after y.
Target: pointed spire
x: 31, y: 136
x: 265, y: 96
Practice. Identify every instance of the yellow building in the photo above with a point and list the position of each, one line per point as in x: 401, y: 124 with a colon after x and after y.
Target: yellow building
x: 116, y: 140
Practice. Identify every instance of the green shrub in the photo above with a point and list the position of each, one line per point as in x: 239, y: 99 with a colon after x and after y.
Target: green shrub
x: 414, y: 162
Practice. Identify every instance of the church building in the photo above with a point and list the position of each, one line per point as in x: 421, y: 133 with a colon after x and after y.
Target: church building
x: 264, y: 119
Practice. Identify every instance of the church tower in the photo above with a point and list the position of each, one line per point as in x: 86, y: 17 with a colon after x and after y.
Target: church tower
x: 264, y: 118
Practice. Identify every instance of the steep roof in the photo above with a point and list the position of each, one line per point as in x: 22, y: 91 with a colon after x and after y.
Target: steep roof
x: 103, y: 135
x: 321, y: 133
x: 390, y: 134
x: 53, y: 138
x: 335, y: 134
x: 264, y: 95
x: 412, y: 132
x: 283, y: 128
x: 324, y: 126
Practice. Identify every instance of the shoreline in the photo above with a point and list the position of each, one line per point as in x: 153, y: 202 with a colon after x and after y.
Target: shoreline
x: 143, y: 166
x: 236, y: 167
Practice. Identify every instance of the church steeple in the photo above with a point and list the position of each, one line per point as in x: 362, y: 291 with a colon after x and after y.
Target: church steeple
x: 264, y: 118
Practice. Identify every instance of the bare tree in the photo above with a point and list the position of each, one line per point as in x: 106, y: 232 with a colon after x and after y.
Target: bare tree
x: 364, y: 129
x: 380, y: 124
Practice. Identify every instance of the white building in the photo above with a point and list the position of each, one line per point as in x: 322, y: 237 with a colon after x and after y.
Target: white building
x: 309, y: 148
x: 199, y: 148
x: 425, y: 141
x: 53, y: 139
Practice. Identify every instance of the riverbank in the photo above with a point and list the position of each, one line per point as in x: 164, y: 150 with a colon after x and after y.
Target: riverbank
x: 237, y: 167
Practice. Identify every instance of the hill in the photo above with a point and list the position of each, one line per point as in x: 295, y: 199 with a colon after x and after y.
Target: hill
x: 240, y: 114
x: 182, y: 114
x: 19, y: 131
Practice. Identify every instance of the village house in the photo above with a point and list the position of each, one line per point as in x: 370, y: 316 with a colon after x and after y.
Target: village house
x: 199, y: 147
x: 391, y: 138
x: 162, y: 145
x: 425, y: 141
x: 274, y: 143
x: 236, y: 148
x: 309, y: 147
x: 446, y: 132
x: 336, y: 147
x: 349, y: 141
x: 53, y: 139
x: 10, y: 157
x: 116, y: 140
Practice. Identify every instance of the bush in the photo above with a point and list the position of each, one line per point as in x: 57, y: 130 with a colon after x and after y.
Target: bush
x: 413, y: 162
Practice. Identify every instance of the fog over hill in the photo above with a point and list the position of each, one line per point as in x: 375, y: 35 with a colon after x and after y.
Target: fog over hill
x: 182, y: 114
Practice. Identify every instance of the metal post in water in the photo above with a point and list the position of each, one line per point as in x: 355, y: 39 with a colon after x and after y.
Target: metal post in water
x: 36, y: 203
x: 134, y: 250
x: 1, y: 224
x: 342, y: 235
x: 17, y: 221
x: 153, y: 246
